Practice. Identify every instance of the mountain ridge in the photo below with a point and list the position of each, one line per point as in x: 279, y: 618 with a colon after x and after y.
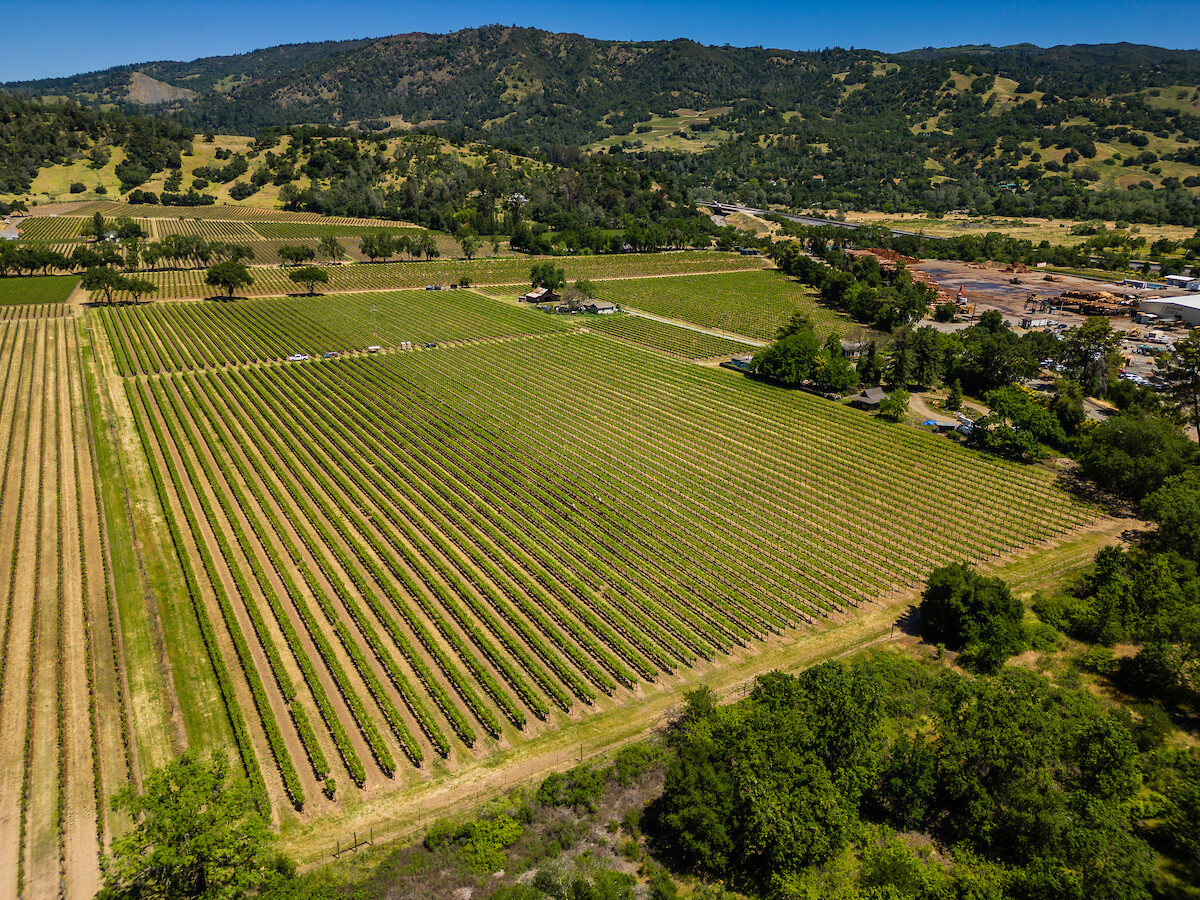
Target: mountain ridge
x: 541, y: 87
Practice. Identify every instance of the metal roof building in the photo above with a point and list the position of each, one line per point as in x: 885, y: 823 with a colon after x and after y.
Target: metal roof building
x: 1185, y: 308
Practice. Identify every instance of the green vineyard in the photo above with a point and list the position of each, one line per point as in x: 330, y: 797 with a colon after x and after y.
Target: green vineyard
x: 496, y: 270
x: 401, y: 557
x: 176, y: 336
x: 50, y: 228
x: 365, y: 573
x: 754, y: 304
x: 668, y: 338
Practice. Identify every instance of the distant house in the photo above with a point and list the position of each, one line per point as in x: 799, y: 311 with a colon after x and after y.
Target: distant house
x: 869, y: 399
x: 854, y: 349
x: 600, y: 307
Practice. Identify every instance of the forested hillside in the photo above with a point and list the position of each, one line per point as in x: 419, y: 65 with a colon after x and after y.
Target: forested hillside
x: 1109, y: 131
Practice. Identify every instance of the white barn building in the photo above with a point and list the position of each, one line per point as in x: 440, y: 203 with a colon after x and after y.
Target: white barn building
x: 1169, y: 308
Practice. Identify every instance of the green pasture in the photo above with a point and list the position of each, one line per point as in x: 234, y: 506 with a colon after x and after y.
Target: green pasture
x: 36, y: 289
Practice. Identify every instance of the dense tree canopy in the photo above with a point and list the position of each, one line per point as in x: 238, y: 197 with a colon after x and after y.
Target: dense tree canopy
x: 772, y: 785
x: 967, y: 611
x: 195, y: 835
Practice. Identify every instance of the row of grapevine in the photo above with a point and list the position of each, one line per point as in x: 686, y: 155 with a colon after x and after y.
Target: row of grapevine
x: 34, y: 311
x: 179, y: 336
x: 294, y: 231
x: 668, y: 338
x: 751, y: 303
x: 53, y: 784
x: 112, y: 208
x: 40, y: 599
x: 50, y: 228
x: 139, y: 401
x: 272, y: 281
x: 210, y: 229
x: 248, y: 463
x: 387, y: 578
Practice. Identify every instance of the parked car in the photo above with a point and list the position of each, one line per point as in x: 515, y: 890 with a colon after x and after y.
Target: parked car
x: 374, y: 348
x: 430, y: 345
x: 298, y: 357
x: 330, y: 354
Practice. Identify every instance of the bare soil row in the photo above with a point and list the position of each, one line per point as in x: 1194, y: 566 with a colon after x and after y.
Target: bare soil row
x: 62, y: 744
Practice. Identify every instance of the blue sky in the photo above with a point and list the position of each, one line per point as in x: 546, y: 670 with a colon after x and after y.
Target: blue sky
x: 46, y: 38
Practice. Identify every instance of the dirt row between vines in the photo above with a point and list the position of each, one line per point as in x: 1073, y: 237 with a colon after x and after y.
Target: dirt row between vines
x: 55, y: 757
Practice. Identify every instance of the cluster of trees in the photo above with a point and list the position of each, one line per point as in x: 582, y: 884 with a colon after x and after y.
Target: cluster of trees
x: 108, y: 281
x: 1028, y: 789
x: 34, y: 134
x: 798, y: 357
x: 791, y: 118
x: 972, y: 614
x: 386, y: 244
x: 884, y: 298
x: 126, y: 250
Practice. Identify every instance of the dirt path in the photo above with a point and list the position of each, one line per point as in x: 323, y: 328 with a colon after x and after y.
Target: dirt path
x: 715, y: 332
x: 44, y: 736
x: 80, y: 844
x: 21, y: 637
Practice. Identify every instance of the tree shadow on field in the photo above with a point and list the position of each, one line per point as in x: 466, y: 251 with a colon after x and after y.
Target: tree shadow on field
x: 1089, y: 493
x: 101, y: 303
x: 909, y: 622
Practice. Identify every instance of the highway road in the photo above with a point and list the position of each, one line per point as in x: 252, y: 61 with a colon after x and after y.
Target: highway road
x: 722, y: 208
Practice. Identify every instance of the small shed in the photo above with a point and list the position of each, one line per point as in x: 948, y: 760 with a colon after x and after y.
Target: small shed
x: 869, y: 399
x: 740, y: 363
x: 940, y: 426
x: 600, y: 308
